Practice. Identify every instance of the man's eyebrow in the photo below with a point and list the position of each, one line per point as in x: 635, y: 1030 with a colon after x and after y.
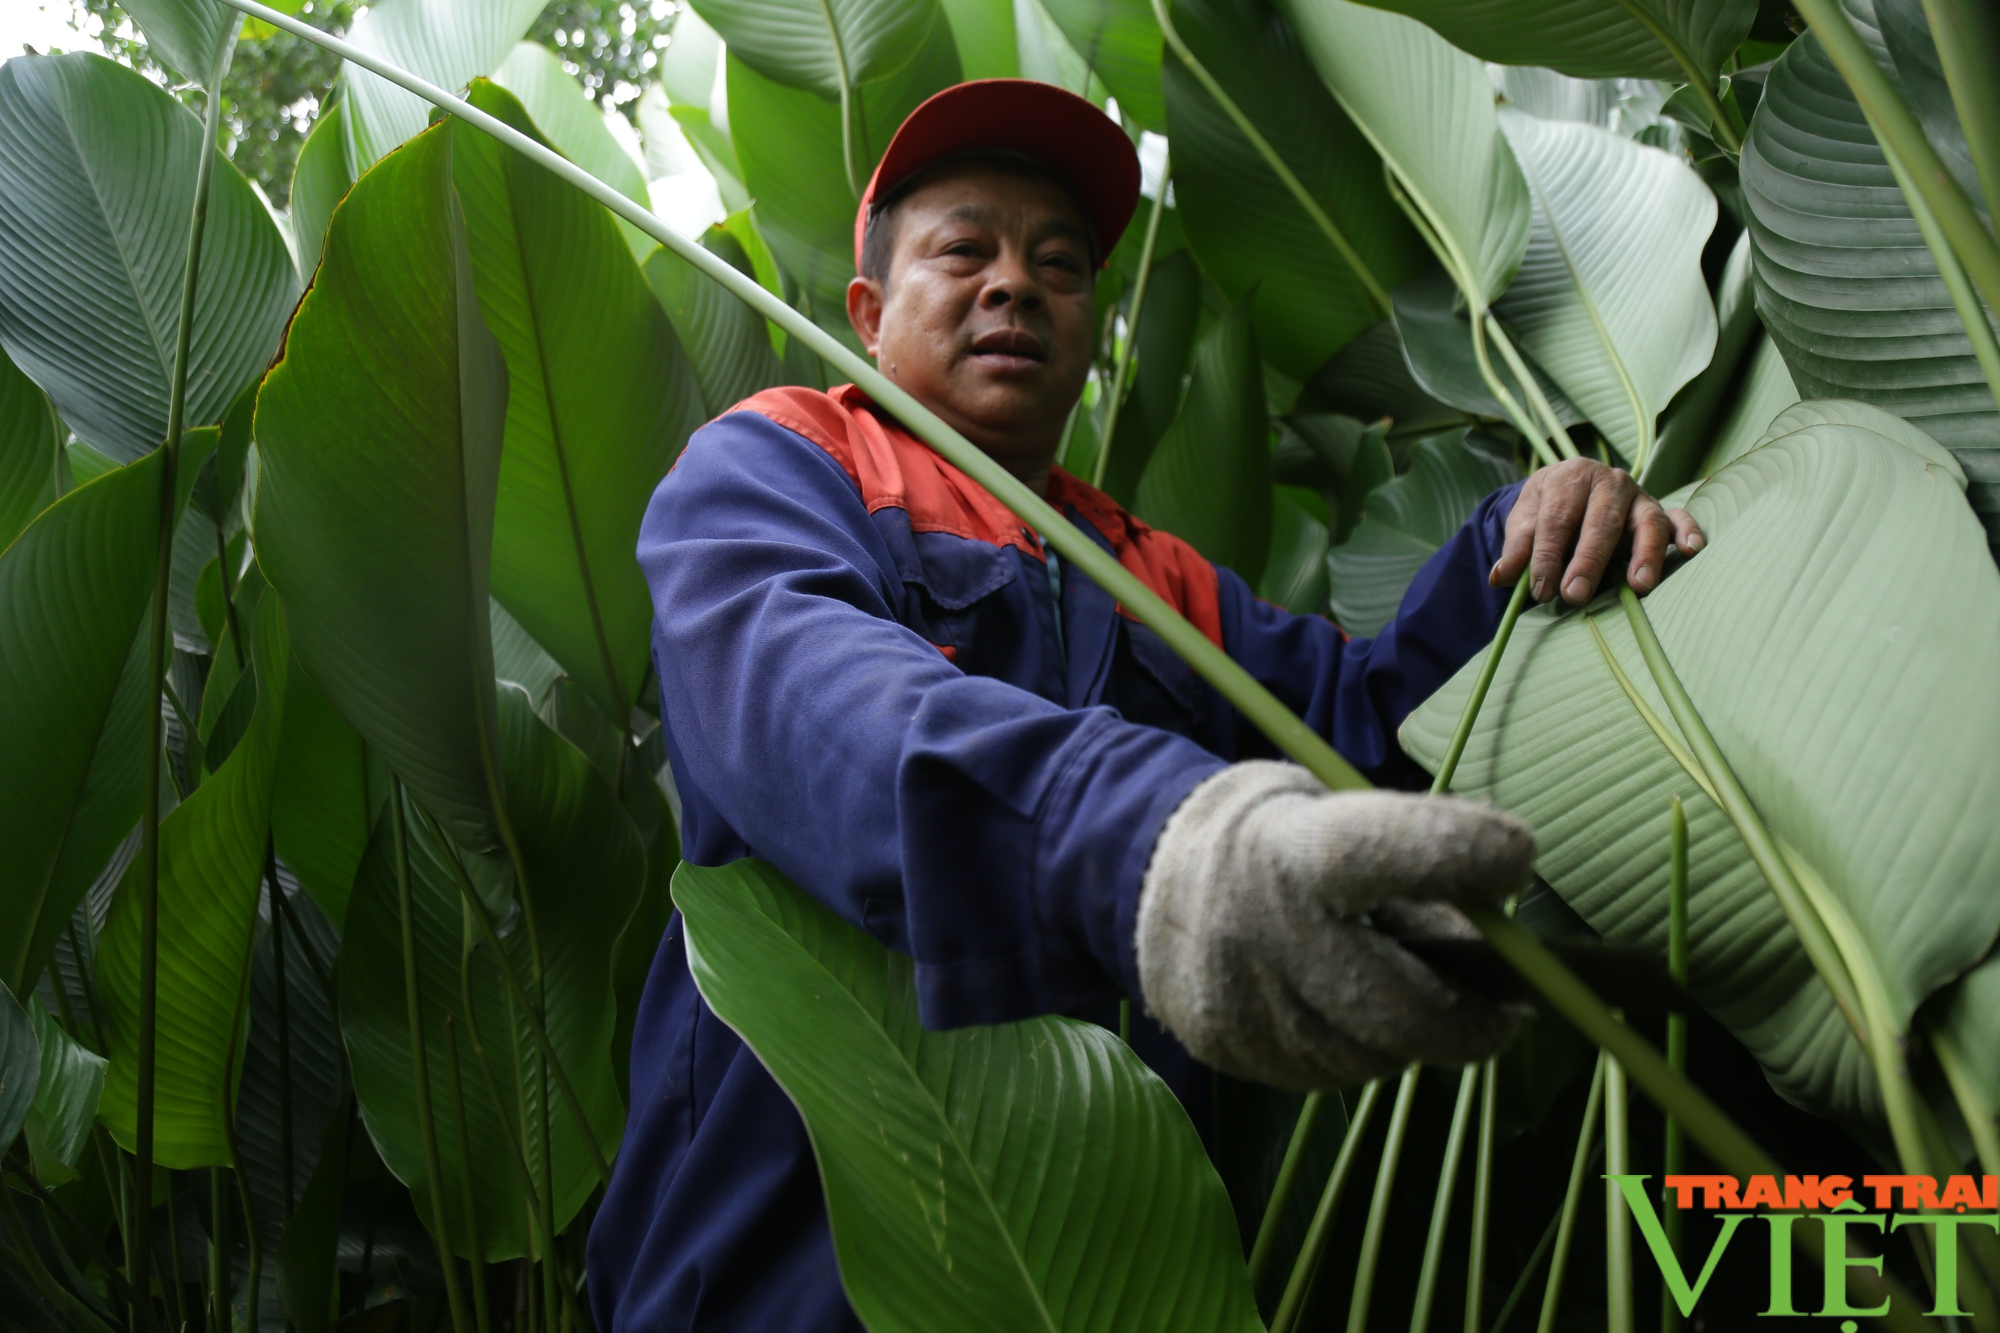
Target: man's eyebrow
x: 985, y: 215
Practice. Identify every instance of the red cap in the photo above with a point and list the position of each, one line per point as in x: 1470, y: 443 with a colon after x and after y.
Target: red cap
x: 1083, y: 147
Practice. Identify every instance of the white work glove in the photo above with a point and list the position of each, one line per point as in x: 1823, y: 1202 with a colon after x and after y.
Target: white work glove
x: 1252, y: 947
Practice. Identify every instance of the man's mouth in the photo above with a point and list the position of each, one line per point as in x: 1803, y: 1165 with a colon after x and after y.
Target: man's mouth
x: 1009, y: 350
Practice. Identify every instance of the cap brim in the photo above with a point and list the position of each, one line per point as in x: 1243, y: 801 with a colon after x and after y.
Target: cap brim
x: 1080, y: 145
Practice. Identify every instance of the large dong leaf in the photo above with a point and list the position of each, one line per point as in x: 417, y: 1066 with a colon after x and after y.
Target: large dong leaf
x: 449, y: 42
x: 31, y: 451
x: 319, y: 182
x: 725, y: 339
x: 211, y: 871
x: 1428, y: 109
x: 1165, y: 341
x: 20, y: 1066
x: 186, y: 35
x: 600, y: 399
x: 823, y: 46
x: 379, y: 435
x: 574, y: 125
x: 788, y: 141
x: 1845, y: 283
x: 1610, y: 299
x: 97, y: 168
x: 1796, y: 613
x: 322, y: 802
x: 1029, y: 1175
x: 1120, y: 41
x: 65, y: 1108
x: 1246, y: 227
x: 584, y: 869
x: 1435, y: 330
x: 1404, y: 523
x: 1210, y: 479
x: 1593, y: 39
x: 74, y: 589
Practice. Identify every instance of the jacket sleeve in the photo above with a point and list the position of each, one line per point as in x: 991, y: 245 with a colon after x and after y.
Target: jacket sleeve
x: 1356, y: 692
x: 995, y: 837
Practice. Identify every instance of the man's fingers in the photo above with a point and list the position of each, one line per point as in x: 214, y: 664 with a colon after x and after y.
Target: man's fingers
x: 1650, y: 534
x: 1688, y: 536
x: 1598, y: 535
x: 1520, y: 536
x: 1565, y: 500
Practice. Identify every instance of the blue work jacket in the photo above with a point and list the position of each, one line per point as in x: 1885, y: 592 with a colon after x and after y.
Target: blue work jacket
x: 868, y: 678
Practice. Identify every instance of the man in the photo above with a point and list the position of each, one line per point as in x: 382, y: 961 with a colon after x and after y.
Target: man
x: 873, y: 676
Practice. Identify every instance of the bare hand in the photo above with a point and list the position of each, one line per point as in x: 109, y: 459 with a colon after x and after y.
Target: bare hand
x: 1581, y: 511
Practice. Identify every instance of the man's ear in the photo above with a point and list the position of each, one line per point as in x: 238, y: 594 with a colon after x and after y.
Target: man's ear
x: 864, y: 311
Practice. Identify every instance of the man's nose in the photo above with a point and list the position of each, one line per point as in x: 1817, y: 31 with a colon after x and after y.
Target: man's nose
x: 1012, y: 281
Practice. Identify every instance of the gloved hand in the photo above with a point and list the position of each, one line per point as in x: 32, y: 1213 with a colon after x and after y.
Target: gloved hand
x: 1252, y: 947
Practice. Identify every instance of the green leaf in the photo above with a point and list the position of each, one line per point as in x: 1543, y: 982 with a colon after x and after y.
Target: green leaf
x: 449, y: 42
x: 308, y: 1256
x: 185, y: 35
x: 1166, y: 339
x: 1046, y: 55
x: 1428, y: 109
x: 1767, y: 390
x: 518, y: 659
x: 74, y: 589
x: 1337, y: 457
x: 984, y: 32
x: 1688, y: 426
x: 1610, y: 299
x: 1593, y: 39
x: 32, y: 466
x: 322, y: 805
x: 584, y: 869
x: 1029, y: 1175
x: 211, y: 872
x: 1370, y: 379
x: 725, y: 339
x: 1845, y: 283
x: 1438, y: 354
x: 379, y: 436
x: 1295, y: 574
x: 1209, y: 482
x: 1972, y: 1016
x: 1120, y: 41
x: 788, y: 140
x: 1242, y: 222
x: 97, y: 164
x: 599, y: 401
x: 574, y: 125
x: 823, y: 46
x: 20, y: 1066
x: 319, y: 182
x: 1404, y: 523
x: 72, y: 1079
x: 1796, y: 611
x: 692, y: 74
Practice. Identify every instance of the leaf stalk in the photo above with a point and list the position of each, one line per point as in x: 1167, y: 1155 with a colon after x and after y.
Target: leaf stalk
x: 1365, y: 1266
x: 1305, y: 1269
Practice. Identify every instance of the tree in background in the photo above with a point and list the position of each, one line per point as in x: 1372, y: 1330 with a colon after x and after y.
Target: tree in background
x: 277, y: 83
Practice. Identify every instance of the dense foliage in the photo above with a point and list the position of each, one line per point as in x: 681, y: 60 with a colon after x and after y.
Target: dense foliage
x: 336, y: 835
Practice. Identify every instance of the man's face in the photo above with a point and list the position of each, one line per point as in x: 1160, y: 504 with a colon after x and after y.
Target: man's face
x: 987, y: 316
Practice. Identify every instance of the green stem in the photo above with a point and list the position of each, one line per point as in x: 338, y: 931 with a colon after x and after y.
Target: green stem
x: 1727, y: 133
x: 140, y: 1258
x: 1376, y: 293
x: 1974, y: 245
x: 1281, y: 1189
x: 1535, y: 1258
x: 1673, y: 1156
x: 1719, y: 1136
x: 1572, y: 1198
x: 1306, y: 1267
x: 1122, y: 376
x: 1617, y: 1225
x: 1979, y: 1118
x: 1378, y: 1207
x: 1883, y: 1040
x: 1448, y: 766
x: 1482, y: 1194
x: 550, y: 1060
x: 1544, y: 411
x: 420, y: 1063
x: 1978, y: 329
x: 482, y: 1314
x: 1454, y: 1151
x: 1968, y: 42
